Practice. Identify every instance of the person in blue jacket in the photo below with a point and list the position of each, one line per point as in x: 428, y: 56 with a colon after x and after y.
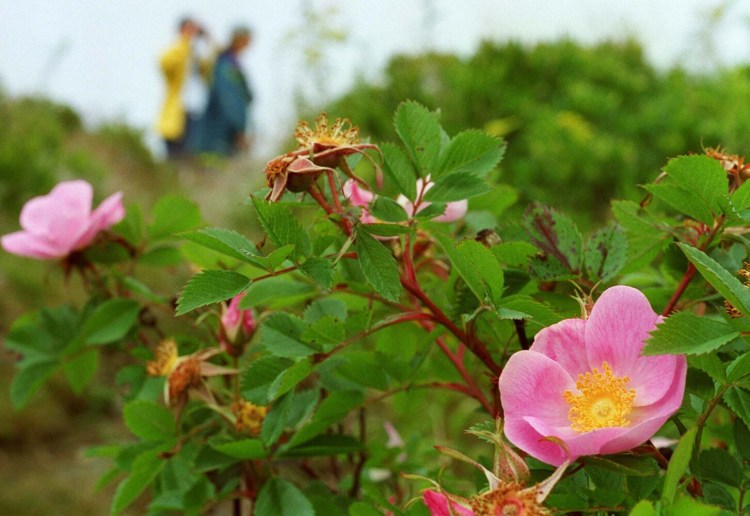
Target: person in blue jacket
x: 222, y: 128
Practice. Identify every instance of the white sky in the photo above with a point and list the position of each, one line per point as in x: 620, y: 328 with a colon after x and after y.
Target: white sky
x: 100, y: 55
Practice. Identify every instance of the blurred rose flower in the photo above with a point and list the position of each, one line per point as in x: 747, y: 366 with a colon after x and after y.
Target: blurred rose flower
x: 453, y: 210
x: 237, y: 326
x: 361, y: 198
x: 61, y: 222
x: 584, y: 383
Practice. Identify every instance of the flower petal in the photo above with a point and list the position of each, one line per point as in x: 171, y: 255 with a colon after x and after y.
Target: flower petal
x: 61, y: 216
x: 453, y: 211
x: 437, y: 503
x: 357, y: 195
x: 579, y: 444
x: 109, y: 212
x: 564, y: 343
x: 525, y: 437
x: 651, y: 377
x: 31, y: 246
x: 618, y: 325
x: 532, y: 384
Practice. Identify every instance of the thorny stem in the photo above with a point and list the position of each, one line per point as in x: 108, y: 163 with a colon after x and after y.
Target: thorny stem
x: 408, y: 261
x: 691, y: 270
x: 474, y: 346
x: 334, y: 191
x: 316, y: 194
x: 472, y: 388
x: 362, y: 456
x: 412, y: 316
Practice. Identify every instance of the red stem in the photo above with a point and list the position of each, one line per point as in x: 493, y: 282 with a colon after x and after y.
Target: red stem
x: 474, y: 346
x: 684, y: 282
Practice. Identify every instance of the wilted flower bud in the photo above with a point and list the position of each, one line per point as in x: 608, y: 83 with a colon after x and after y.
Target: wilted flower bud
x: 237, y: 326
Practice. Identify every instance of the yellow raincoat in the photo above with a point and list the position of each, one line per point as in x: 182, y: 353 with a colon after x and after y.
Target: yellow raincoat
x: 175, y: 64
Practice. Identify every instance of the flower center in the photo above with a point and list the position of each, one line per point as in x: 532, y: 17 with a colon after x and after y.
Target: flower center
x: 604, y: 400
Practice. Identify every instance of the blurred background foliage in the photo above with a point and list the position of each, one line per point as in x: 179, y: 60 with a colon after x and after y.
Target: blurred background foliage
x: 583, y: 124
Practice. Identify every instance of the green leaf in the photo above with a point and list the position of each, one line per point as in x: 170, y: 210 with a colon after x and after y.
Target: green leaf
x: 643, y: 508
x: 276, y: 420
x: 399, y: 169
x: 208, y: 287
x: 695, y: 186
x: 678, y: 464
x: 277, y: 292
x: 645, y: 236
x: 556, y: 235
x: 143, y: 472
x: 29, y: 379
x: 456, y: 187
x: 324, y: 445
x: 224, y: 241
x: 724, y: 282
x: 741, y: 196
x: 388, y: 210
x: 80, y: 369
x: 632, y: 465
x: 289, y: 378
x: 378, y: 266
x: 110, y: 321
x: 605, y: 252
x: 420, y: 131
x: 173, y: 214
x: 717, y: 464
x: 364, y: 368
x: 331, y: 410
x: 328, y: 330
x: 149, y: 421
x: 470, y: 152
x: 709, y: 363
x: 260, y: 375
x: 741, y: 435
x: 739, y: 368
x: 281, y: 334
x: 279, y: 497
x: 514, y: 254
x: 689, y: 506
x: 282, y: 227
x: 323, y: 307
x: 244, y: 449
x: 739, y: 401
x: 386, y: 230
x: 319, y: 270
x: 689, y: 334
x: 477, y: 266
x: 531, y: 309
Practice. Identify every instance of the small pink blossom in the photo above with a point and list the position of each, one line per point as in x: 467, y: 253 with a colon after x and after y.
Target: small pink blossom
x: 237, y: 325
x: 453, y: 210
x: 585, y: 383
x: 357, y: 195
x: 440, y: 505
x: 56, y: 224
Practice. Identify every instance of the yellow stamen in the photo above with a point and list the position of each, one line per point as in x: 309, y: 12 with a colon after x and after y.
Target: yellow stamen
x: 165, y: 359
x: 604, y: 401
x: 249, y: 416
x: 341, y: 133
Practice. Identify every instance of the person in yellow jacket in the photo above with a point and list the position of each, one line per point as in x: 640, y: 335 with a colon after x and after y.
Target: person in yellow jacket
x: 176, y: 65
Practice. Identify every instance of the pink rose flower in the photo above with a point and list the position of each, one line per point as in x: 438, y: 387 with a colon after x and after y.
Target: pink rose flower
x: 584, y: 382
x: 237, y: 326
x: 453, y: 210
x: 56, y: 224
